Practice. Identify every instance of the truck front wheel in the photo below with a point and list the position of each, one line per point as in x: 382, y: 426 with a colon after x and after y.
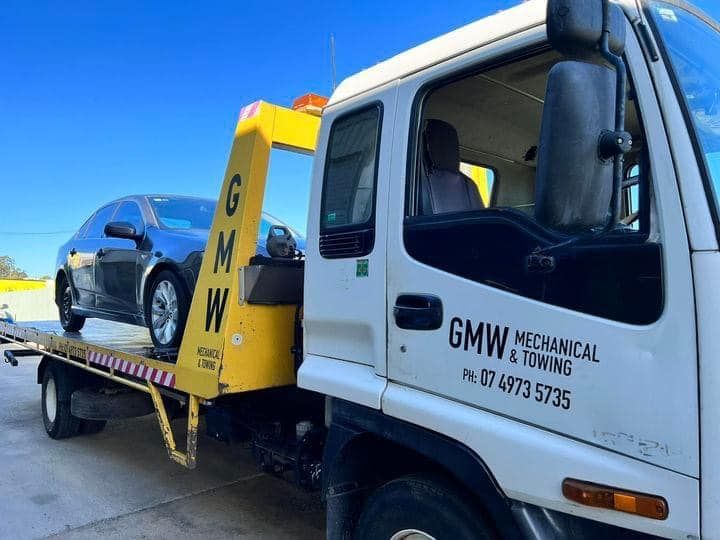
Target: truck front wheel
x: 57, y: 387
x: 420, y: 506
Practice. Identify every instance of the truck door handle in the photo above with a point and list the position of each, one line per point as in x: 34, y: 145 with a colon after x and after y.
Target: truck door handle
x: 100, y: 253
x: 73, y: 252
x: 418, y: 312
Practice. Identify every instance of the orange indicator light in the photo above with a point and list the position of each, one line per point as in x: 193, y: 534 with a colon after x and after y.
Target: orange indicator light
x: 595, y: 495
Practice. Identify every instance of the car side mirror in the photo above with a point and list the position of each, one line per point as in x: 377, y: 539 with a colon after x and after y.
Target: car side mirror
x: 121, y: 229
x: 583, y: 138
x: 280, y: 242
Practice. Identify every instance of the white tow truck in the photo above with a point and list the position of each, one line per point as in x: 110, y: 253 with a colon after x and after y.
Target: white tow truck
x: 505, y: 324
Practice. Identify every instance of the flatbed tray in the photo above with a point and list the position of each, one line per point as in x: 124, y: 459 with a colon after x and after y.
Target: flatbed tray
x: 122, y: 337
x: 123, y: 350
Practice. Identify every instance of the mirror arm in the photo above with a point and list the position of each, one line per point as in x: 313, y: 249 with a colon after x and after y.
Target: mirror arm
x: 615, y: 144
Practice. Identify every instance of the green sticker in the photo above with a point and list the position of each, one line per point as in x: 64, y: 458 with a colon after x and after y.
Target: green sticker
x: 331, y: 217
x: 362, y: 268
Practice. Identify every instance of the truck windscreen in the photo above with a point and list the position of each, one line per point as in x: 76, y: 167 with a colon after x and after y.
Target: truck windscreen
x: 693, y: 46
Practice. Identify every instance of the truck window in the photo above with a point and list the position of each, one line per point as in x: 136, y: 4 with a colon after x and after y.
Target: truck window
x: 482, y: 176
x: 348, y: 196
x: 630, y: 198
x: 478, y: 222
x: 691, y: 42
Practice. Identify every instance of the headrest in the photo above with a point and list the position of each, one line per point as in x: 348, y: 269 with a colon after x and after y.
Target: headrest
x: 441, y: 145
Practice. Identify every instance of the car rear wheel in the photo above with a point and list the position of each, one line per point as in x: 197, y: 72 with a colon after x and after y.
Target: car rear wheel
x: 166, y: 310
x: 69, y: 320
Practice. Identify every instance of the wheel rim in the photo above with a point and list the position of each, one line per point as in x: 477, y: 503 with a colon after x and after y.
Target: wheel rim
x: 411, y: 534
x: 50, y: 399
x: 67, y: 304
x: 164, y: 316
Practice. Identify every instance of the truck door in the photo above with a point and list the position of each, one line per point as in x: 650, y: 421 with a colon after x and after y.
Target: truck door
x: 584, y: 342
x: 117, y: 262
x: 345, y: 281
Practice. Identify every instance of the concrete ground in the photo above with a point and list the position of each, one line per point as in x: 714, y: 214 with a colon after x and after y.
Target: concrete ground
x: 121, y: 484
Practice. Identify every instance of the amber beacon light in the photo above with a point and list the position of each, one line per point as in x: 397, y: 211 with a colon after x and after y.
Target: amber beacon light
x: 640, y: 504
x: 310, y: 103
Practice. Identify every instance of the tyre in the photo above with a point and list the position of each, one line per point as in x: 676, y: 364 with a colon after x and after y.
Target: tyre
x: 57, y: 387
x: 166, y: 309
x: 420, y: 507
x: 69, y: 320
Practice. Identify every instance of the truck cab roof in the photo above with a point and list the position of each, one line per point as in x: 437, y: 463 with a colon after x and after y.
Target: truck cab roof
x: 505, y: 23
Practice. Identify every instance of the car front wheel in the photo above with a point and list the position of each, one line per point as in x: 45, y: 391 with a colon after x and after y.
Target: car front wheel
x: 166, y: 310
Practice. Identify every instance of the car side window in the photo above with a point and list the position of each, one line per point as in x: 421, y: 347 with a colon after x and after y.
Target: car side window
x: 130, y: 212
x: 96, y: 229
x: 82, y: 231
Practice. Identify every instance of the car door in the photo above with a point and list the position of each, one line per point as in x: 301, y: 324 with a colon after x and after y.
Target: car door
x: 117, y: 260
x: 81, y: 258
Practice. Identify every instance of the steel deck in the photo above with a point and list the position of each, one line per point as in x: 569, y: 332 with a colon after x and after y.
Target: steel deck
x: 117, y: 336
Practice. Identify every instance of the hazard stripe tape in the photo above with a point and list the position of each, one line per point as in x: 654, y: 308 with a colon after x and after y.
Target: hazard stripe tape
x: 249, y: 111
x: 154, y: 375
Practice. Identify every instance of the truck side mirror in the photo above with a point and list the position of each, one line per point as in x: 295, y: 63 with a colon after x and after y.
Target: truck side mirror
x: 583, y: 138
x: 573, y: 187
x: 575, y: 27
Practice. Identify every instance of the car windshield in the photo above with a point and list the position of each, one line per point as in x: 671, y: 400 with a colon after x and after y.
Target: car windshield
x: 693, y: 46
x: 183, y: 212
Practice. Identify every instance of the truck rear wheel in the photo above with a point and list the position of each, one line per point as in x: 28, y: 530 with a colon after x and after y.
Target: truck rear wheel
x: 57, y: 387
x: 420, y: 506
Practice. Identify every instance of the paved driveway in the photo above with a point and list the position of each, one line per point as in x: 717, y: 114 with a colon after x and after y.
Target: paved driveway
x: 120, y: 483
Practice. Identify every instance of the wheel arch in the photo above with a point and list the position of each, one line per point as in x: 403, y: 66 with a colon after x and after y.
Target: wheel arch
x: 156, y: 269
x: 366, y: 448
x: 59, y: 276
x: 42, y: 366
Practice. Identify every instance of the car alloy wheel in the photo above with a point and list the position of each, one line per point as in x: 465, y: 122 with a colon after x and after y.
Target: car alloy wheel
x: 411, y: 534
x: 67, y: 304
x: 164, y: 312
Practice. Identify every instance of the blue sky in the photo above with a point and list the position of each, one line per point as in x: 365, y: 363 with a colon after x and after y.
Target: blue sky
x: 103, y: 99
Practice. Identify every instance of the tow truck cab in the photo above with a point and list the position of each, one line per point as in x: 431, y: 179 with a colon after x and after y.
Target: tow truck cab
x: 544, y: 339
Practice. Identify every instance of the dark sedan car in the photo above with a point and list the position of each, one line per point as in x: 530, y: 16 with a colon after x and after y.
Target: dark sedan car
x: 136, y: 260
